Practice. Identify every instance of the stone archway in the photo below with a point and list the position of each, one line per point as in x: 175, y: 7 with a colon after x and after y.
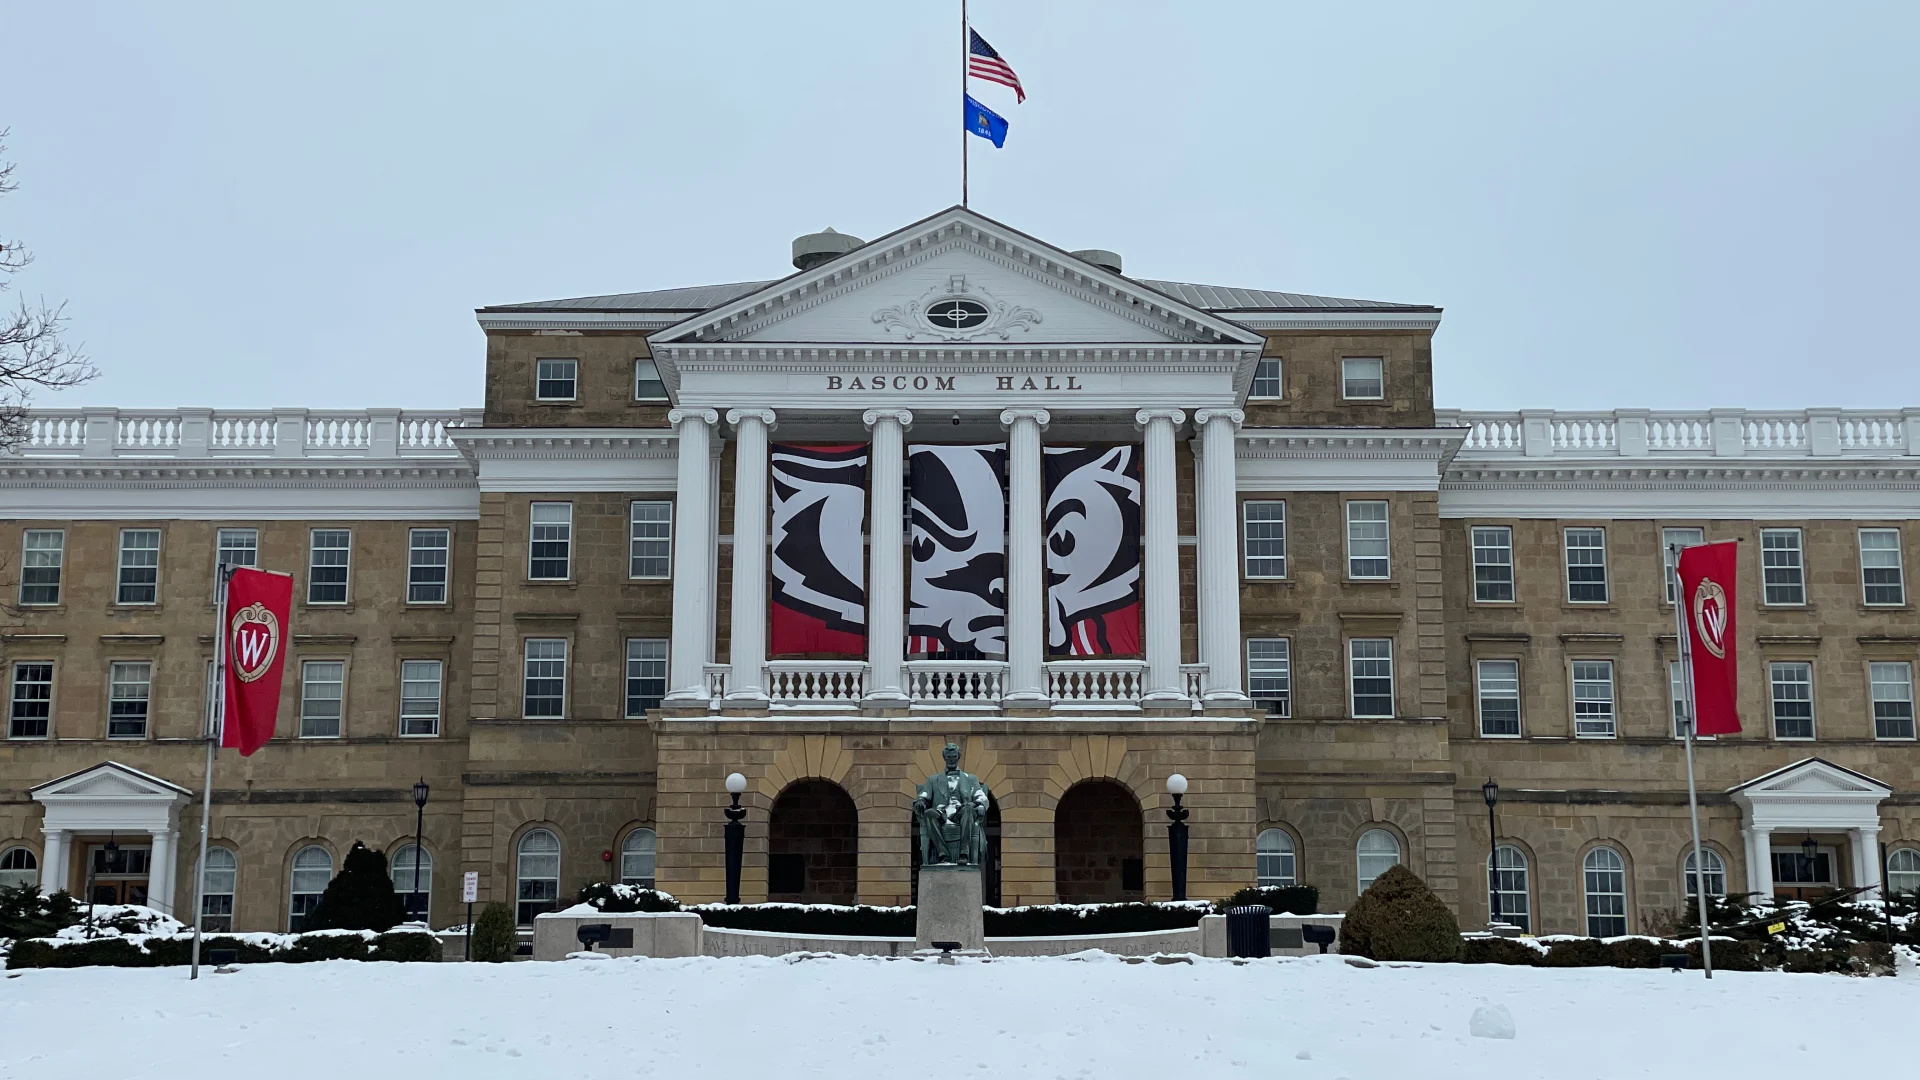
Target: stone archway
x: 813, y: 845
x: 1098, y: 841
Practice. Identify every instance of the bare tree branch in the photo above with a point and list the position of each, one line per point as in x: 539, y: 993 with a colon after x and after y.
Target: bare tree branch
x: 33, y: 355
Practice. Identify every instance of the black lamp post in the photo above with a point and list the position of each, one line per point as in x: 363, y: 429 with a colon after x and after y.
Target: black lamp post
x: 1809, y: 851
x: 1491, y: 792
x: 1177, y: 835
x: 736, y: 835
x: 419, y: 831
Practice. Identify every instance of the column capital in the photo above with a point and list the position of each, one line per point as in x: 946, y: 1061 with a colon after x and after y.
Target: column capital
x: 765, y: 416
x: 1148, y: 416
x: 903, y: 417
x: 1203, y: 417
x: 1008, y: 417
x: 676, y: 417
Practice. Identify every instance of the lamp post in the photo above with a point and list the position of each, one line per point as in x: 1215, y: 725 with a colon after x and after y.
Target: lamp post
x: 1177, y: 835
x: 1490, y: 791
x: 1809, y: 851
x: 419, y: 832
x: 736, y: 835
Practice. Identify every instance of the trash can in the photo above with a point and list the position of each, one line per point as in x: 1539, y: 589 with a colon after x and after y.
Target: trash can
x: 1247, y: 933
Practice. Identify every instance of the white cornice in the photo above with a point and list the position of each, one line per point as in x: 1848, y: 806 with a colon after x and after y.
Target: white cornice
x: 566, y: 444
x: 1321, y: 459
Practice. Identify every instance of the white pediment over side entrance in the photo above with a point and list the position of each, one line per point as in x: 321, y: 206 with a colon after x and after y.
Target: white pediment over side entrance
x: 110, y: 796
x: 1811, y: 793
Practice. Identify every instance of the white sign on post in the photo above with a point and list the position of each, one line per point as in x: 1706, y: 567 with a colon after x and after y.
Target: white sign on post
x: 470, y: 887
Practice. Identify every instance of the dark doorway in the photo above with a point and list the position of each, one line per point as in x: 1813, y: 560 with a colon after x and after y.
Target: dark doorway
x: 813, y: 845
x: 1097, y: 856
x: 990, y: 874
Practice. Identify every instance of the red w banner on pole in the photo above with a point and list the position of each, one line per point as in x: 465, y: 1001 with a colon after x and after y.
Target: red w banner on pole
x: 1707, y: 596
x: 259, y: 605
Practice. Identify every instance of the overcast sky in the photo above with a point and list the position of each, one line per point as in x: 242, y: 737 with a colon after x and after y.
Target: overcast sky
x: 1675, y: 204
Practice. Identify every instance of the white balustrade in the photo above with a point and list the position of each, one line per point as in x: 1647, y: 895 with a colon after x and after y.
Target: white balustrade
x: 107, y: 433
x: 1667, y: 432
x: 348, y: 432
x: 1772, y: 434
x: 816, y: 682
x: 1193, y: 679
x: 1721, y: 433
x: 243, y: 432
x: 716, y: 675
x: 1095, y: 682
x: 56, y: 431
x: 148, y: 431
x: 956, y: 682
x: 1583, y: 433
x: 1885, y: 433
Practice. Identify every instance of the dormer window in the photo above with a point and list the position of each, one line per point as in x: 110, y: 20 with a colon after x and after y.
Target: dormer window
x: 956, y: 314
x: 554, y: 379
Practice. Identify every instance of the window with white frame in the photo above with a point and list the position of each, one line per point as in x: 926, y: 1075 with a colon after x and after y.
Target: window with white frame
x: 550, y: 546
x: 429, y: 559
x: 1499, y: 693
x: 1264, y: 525
x: 646, y: 674
x: 312, y: 869
x: 41, y: 561
x: 545, y: 678
x: 1370, y: 663
x: 1273, y: 859
x: 1684, y: 537
x: 30, y: 711
x: 1508, y: 898
x: 420, y: 683
x: 1792, y: 866
x: 1891, y: 684
x: 1606, y: 889
x: 1792, y: 683
x: 1586, y: 565
x: 236, y: 547
x: 217, y: 890
x: 536, y: 875
x: 322, y: 691
x: 1593, y: 714
x: 1367, y: 544
x: 1492, y: 564
x: 1363, y: 378
x: 1270, y: 674
x: 1903, y: 871
x: 1266, y: 378
x: 1376, y: 852
x: 637, y: 858
x: 139, y: 567
x: 555, y: 379
x: 650, y: 536
x: 646, y: 381
x: 129, y: 691
x: 415, y: 893
x: 328, y: 556
x: 1783, y: 570
x: 1716, y: 874
x: 1880, y: 571
x: 18, y: 867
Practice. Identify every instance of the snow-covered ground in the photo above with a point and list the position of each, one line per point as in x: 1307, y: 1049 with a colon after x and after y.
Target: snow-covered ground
x: 856, y: 1018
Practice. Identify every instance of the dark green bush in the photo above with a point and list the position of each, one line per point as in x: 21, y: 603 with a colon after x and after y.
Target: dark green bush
x: 1493, y: 950
x: 861, y: 921
x: 407, y: 946
x: 604, y: 896
x: 311, y: 947
x: 1578, y: 952
x: 25, y: 913
x: 1283, y: 899
x: 1635, y: 953
x: 1728, y: 955
x: 493, y: 934
x: 1068, y: 920
x: 175, y: 951
x: 1399, y: 918
x: 360, y: 897
x: 101, y: 952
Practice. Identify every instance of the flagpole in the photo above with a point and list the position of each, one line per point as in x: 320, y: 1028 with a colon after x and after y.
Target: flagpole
x: 1693, y: 798
x: 216, y: 715
x: 964, y: 134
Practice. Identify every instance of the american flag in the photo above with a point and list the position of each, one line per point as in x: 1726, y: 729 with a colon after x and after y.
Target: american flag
x: 984, y: 63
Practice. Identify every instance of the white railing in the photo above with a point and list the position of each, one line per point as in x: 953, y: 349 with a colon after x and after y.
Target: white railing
x: 1718, y: 433
x: 202, y: 433
x: 1096, y: 682
x: 956, y: 682
x: 816, y: 682
x: 716, y: 675
x: 1193, y: 679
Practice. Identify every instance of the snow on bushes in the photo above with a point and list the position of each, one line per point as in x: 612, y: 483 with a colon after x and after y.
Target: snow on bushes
x: 126, y: 935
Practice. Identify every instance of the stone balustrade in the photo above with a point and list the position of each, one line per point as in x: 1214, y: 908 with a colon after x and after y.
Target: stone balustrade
x: 1546, y: 433
x: 274, y: 433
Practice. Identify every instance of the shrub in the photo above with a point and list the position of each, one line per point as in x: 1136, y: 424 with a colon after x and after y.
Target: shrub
x: 178, y: 951
x: 1493, y: 950
x: 1728, y: 955
x: 1635, y: 953
x: 100, y: 952
x: 1578, y: 952
x: 493, y: 934
x: 25, y: 913
x: 310, y: 947
x: 810, y: 919
x: 1399, y: 918
x: 604, y: 896
x: 1064, y: 920
x: 360, y: 897
x: 405, y: 946
x: 1283, y: 899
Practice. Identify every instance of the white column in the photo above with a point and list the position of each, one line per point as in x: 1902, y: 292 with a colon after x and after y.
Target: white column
x: 886, y: 592
x: 1866, y: 859
x: 744, y: 681
x: 1161, y: 534
x: 53, y: 860
x: 160, y: 871
x: 693, y: 560
x: 1760, y: 862
x: 1026, y: 539
x: 1219, y: 561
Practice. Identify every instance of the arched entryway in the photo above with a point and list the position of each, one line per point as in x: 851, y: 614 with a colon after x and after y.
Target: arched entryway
x: 990, y: 873
x: 1097, y: 856
x: 813, y: 845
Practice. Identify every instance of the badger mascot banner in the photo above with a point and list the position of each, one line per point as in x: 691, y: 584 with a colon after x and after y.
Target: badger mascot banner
x: 957, y: 598
x: 1093, y: 550
x: 818, y: 604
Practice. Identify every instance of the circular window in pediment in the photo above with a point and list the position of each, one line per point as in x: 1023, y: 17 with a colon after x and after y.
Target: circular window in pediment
x: 956, y: 314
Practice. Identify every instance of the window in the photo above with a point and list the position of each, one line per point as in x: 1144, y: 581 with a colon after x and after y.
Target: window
x: 1508, y: 899
x: 32, y: 708
x: 428, y: 552
x: 1685, y: 538
x: 1880, y: 566
x: 1363, y: 378
x: 1370, y: 660
x: 537, y: 874
x: 1499, y: 697
x: 321, y: 685
x: 554, y: 379
x: 1265, y: 526
x: 1493, y: 564
x: 1586, y: 566
x: 1903, y: 869
x: 1377, y: 852
x: 1677, y: 691
x: 1892, y: 686
x: 217, y: 889
x: 312, y: 869
x: 1270, y: 674
x: 1593, y: 698
x: 18, y: 867
x: 546, y: 679
x: 1792, y: 683
x: 236, y: 547
x: 550, y: 552
x: 415, y: 898
x: 40, y: 563
x: 420, y: 697
x: 651, y: 535
x: 646, y: 674
x: 646, y: 381
x: 1273, y: 862
x: 129, y: 689
x: 139, y: 566
x: 1367, y: 540
x: 1783, y: 571
x: 1794, y: 868
x: 1716, y: 874
x: 1266, y: 378
x: 1606, y: 882
x: 327, y: 558
x: 636, y: 858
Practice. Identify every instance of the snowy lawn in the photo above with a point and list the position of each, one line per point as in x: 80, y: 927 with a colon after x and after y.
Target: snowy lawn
x: 856, y: 1018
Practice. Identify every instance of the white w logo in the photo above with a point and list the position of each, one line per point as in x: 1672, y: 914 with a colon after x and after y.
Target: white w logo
x: 252, y: 646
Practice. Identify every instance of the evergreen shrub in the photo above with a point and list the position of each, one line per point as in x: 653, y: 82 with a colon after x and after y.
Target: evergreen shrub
x: 1399, y: 918
x: 405, y: 946
x: 360, y: 896
x: 311, y: 947
x: 494, y: 938
x: 1578, y: 952
x: 611, y: 898
x: 1283, y: 899
x: 25, y: 913
x: 1493, y: 950
x: 1635, y: 953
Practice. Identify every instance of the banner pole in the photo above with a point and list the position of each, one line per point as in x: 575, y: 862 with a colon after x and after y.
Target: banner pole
x: 964, y: 135
x: 216, y: 714
x: 1685, y: 645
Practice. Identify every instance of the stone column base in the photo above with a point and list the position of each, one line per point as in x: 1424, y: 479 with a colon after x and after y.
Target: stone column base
x: 950, y: 908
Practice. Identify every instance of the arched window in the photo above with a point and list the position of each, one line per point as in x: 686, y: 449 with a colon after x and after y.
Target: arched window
x: 18, y: 867
x: 636, y: 858
x: 312, y: 869
x: 1377, y: 852
x: 538, y: 874
x: 1606, y: 885
x: 1273, y: 859
x: 1716, y: 874
x: 1509, y: 900
x: 416, y: 903
x: 216, y: 891
x: 1903, y: 870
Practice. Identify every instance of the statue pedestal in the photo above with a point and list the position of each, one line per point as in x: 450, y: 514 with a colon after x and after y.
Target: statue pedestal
x: 950, y: 908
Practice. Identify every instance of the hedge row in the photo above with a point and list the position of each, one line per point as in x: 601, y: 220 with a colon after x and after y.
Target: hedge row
x: 174, y: 950
x: 1859, y: 958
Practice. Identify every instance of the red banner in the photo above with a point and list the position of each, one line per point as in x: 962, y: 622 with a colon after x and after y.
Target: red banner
x: 259, y: 607
x: 1707, y: 596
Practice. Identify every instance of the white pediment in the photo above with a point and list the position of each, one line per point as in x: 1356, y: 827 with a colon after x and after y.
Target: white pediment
x: 109, y: 780
x: 1812, y: 778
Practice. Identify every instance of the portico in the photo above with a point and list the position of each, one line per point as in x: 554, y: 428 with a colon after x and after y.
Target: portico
x: 1819, y: 801
x: 111, y: 803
